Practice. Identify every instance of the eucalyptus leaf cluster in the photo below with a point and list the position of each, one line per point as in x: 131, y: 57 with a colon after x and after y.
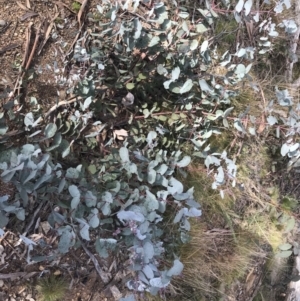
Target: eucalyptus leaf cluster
x: 123, y: 204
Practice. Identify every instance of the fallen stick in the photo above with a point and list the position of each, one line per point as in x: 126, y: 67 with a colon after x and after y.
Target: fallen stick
x: 16, y: 275
x: 32, y: 219
x: 37, y: 36
x: 81, y: 10
x: 61, y: 103
x: 103, y: 275
x: 47, y: 34
x: 25, y: 55
x: 9, y: 47
x: 25, y: 65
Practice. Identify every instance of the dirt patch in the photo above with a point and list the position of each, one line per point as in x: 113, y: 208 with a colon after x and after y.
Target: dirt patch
x: 19, y: 277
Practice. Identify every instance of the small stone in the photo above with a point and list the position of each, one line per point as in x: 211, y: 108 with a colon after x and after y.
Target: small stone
x: 1, y: 283
x: 2, y: 23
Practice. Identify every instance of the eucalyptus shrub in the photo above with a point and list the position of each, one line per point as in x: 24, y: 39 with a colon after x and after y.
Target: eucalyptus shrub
x: 124, y: 197
x: 162, y: 79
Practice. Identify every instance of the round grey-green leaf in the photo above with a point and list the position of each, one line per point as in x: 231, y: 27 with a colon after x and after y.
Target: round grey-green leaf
x: 184, y: 162
x: 124, y: 154
x: 285, y: 247
x: 50, y: 130
x: 284, y: 254
x: 29, y: 119
x: 64, y: 147
x: 176, y: 269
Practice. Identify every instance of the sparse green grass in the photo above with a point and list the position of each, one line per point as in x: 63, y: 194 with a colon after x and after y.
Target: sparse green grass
x: 52, y: 288
x: 76, y: 6
x: 226, y: 31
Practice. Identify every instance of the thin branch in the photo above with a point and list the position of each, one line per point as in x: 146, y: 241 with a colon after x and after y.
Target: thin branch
x: 16, y: 275
x: 81, y: 10
x: 32, y: 219
x: 103, y: 275
x: 37, y: 36
x: 61, y: 103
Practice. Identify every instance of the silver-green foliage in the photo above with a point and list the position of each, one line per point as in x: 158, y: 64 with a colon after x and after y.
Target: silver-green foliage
x: 128, y: 195
x: 128, y: 192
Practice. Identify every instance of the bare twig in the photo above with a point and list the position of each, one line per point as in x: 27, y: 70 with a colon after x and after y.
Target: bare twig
x: 28, y: 4
x: 74, y: 42
x: 32, y: 219
x: 9, y: 47
x: 47, y: 34
x: 21, y: 5
x: 37, y: 36
x: 61, y: 103
x: 16, y: 275
x: 81, y: 10
x: 262, y: 125
x: 103, y: 275
x: 27, y: 44
x: 84, y: 3
x: 26, y: 64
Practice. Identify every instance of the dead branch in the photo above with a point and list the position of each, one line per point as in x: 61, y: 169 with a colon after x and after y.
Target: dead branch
x: 82, y: 7
x: 103, y: 275
x: 32, y: 219
x: 47, y: 34
x: 37, y: 36
x: 16, y: 275
x: 26, y: 64
x: 61, y: 103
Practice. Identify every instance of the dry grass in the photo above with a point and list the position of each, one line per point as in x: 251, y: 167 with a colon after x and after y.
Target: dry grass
x: 214, y: 258
x: 220, y: 251
x: 227, y: 240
